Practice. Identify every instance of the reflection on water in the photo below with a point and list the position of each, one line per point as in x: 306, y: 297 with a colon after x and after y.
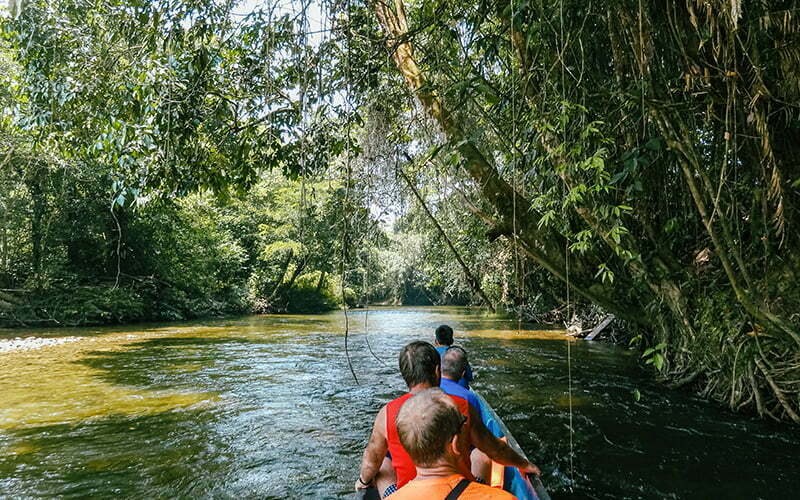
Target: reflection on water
x: 62, y: 384
x: 266, y: 407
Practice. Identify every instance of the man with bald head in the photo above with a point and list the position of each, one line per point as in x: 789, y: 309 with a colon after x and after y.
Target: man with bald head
x: 454, y: 365
x: 431, y: 429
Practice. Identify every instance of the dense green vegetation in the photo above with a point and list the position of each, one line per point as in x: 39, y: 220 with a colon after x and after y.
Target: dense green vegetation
x: 642, y: 153
x: 101, y: 155
x: 177, y: 259
x: 171, y: 159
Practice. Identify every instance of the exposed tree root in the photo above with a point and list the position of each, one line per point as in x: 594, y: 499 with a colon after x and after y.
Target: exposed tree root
x: 778, y: 392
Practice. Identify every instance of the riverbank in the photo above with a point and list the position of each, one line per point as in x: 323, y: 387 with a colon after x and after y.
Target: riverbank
x: 138, y: 301
x: 107, y: 304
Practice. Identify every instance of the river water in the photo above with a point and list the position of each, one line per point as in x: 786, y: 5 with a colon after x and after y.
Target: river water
x: 266, y: 407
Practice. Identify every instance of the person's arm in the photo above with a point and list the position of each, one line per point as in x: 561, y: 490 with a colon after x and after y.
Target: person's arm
x: 374, y: 452
x: 476, y: 405
x: 495, y: 448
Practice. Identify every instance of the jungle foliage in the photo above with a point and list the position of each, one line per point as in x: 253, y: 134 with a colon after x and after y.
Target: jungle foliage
x: 627, y: 157
x: 152, y: 167
x: 642, y: 153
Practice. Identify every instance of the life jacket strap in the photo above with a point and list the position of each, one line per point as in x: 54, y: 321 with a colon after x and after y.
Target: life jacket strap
x: 458, y: 490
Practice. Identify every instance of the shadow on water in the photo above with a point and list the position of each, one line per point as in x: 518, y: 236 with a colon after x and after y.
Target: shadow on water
x: 265, y: 407
x: 170, y: 362
x: 668, y: 444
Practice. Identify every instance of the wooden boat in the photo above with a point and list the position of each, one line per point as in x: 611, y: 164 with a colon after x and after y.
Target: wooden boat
x: 508, y: 478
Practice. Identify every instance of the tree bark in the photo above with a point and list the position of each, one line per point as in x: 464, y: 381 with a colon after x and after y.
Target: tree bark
x: 38, y: 209
x: 296, y: 273
x: 321, y: 281
x: 278, y: 283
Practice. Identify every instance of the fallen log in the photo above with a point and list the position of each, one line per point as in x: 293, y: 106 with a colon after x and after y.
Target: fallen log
x: 600, y: 327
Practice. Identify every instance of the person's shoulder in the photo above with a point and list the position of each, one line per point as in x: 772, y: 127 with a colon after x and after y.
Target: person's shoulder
x: 473, y: 399
x: 398, y: 399
x: 478, y: 490
x: 455, y: 391
x: 450, y: 385
x: 416, y: 490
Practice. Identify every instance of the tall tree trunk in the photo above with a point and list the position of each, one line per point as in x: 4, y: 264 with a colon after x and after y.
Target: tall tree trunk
x: 284, y: 268
x: 295, y: 274
x: 321, y: 281
x: 37, y: 216
x: 4, y: 257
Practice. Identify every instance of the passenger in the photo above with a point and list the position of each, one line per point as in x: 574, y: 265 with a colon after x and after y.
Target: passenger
x: 443, y: 341
x: 430, y: 428
x: 454, y: 363
x: 420, y: 368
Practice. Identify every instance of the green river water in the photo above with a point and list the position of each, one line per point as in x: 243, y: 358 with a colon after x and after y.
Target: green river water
x: 266, y: 407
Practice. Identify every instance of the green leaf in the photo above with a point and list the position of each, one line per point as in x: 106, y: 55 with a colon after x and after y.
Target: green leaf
x: 492, y: 99
x: 653, y: 144
x: 658, y: 361
x: 546, y: 219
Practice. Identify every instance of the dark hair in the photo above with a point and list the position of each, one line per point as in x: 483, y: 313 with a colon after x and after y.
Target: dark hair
x: 426, y: 423
x: 444, y: 335
x: 418, y: 362
x: 454, y: 362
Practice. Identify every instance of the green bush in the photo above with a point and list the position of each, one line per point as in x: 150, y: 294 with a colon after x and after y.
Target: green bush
x: 304, y: 297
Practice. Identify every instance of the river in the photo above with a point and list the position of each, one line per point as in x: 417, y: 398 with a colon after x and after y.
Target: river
x: 266, y: 407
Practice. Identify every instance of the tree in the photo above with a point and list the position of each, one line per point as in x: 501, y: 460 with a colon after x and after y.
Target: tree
x: 527, y: 91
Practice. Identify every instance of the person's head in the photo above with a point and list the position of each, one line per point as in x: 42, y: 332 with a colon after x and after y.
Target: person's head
x: 444, y: 335
x: 428, y: 425
x: 454, y: 363
x: 419, y: 364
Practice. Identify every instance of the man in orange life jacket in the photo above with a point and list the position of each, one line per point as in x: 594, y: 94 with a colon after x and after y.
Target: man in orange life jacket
x: 420, y: 368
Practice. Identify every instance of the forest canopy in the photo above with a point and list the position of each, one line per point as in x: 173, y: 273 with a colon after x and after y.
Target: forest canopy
x: 636, y: 158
